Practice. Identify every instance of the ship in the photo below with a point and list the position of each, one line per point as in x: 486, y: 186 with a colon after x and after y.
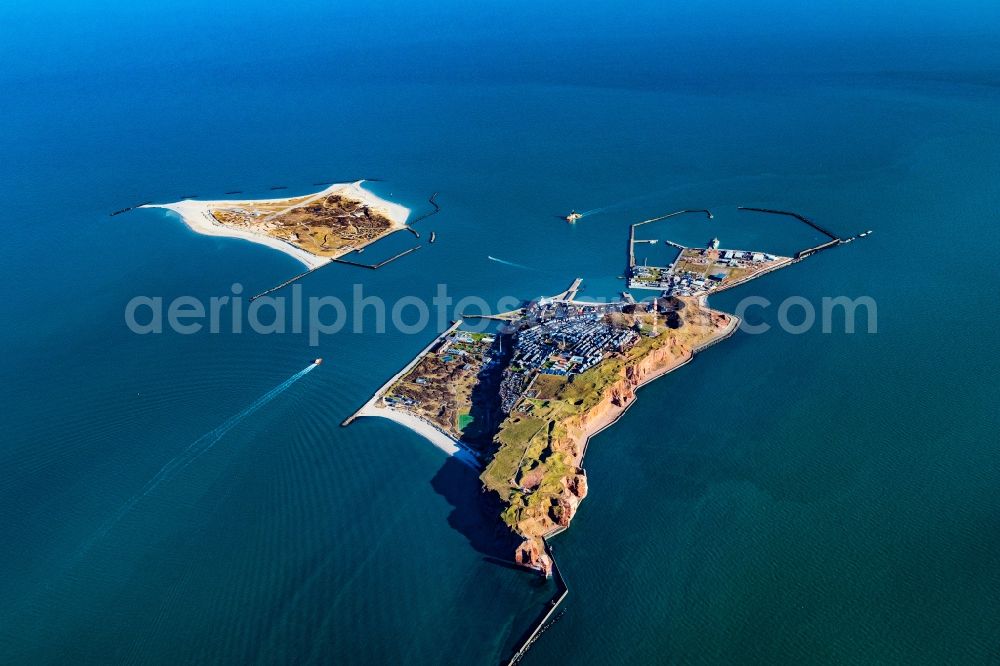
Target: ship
x: 573, y: 216
x: 318, y: 361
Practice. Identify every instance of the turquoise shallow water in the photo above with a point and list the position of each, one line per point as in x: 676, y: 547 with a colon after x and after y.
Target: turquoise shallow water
x: 786, y: 498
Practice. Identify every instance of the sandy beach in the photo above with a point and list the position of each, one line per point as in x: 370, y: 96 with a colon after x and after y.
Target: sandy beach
x: 197, y: 215
x: 414, y: 423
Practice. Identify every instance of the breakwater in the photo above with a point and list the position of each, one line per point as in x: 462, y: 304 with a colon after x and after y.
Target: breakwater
x: 348, y: 262
x: 542, y: 623
x: 437, y: 209
x: 379, y: 264
x: 800, y: 218
x: 125, y: 210
x: 285, y: 283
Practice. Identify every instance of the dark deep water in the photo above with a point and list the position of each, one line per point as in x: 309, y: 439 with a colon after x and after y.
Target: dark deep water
x: 813, y: 498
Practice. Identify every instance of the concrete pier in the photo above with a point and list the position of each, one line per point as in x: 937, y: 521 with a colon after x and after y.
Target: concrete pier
x: 631, y: 231
x: 573, y: 289
x: 809, y: 251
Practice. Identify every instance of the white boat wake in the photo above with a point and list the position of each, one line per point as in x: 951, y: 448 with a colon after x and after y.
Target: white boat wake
x: 509, y: 263
x: 194, y: 451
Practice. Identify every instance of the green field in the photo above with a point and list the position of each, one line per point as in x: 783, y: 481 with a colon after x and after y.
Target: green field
x: 464, y: 419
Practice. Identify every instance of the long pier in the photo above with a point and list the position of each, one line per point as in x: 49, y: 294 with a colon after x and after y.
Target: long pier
x: 542, y: 623
x: 802, y: 254
x: 631, y: 248
x: 573, y: 289
x: 674, y: 214
x: 631, y: 229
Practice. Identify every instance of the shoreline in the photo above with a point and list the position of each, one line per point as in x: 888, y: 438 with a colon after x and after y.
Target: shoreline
x: 423, y: 428
x: 429, y: 431
x: 604, y: 424
x: 196, y: 215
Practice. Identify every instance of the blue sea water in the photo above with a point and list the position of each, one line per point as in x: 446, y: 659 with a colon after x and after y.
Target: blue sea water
x: 813, y: 498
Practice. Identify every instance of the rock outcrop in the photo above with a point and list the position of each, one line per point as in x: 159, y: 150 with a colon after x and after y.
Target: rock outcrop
x: 531, y: 553
x: 541, y: 504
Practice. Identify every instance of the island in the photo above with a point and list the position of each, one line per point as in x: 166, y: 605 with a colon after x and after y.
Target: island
x: 315, y: 229
x: 520, y: 404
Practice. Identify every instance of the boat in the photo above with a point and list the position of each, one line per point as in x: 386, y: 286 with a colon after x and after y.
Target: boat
x: 318, y: 361
x: 573, y: 216
x: 433, y: 236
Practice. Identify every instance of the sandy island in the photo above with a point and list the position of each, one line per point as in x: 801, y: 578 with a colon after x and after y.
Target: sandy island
x: 198, y: 216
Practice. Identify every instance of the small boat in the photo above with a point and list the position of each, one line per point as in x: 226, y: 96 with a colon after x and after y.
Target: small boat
x: 433, y: 236
x: 318, y: 361
x: 573, y: 216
